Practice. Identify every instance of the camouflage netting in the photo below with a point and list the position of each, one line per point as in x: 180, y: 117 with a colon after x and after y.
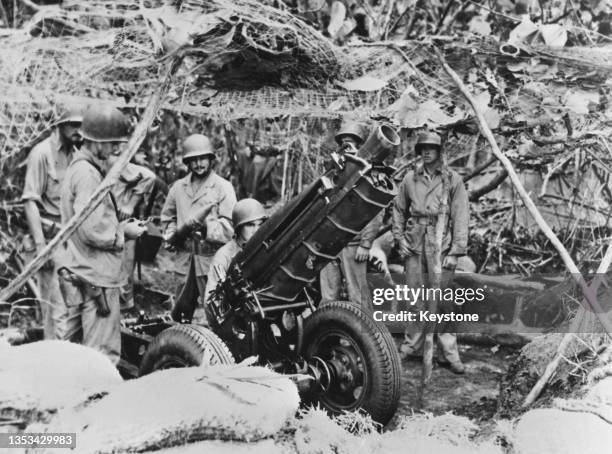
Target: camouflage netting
x: 247, y: 60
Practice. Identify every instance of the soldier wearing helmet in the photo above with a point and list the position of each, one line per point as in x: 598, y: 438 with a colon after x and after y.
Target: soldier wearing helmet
x: 354, y: 257
x: 47, y: 164
x: 89, y: 268
x: 431, y: 197
x: 350, y: 137
x: 197, y: 218
x: 247, y: 217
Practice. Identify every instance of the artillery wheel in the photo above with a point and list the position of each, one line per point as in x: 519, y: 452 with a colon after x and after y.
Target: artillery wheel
x: 358, y: 359
x: 184, y: 346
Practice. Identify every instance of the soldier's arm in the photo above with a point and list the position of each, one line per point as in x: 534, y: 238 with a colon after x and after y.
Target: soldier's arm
x: 217, y: 273
x: 34, y: 187
x: 368, y: 235
x: 143, y: 185
x: 460, y: 217
x: 400, y: 206
x: 98, y: 230
x: 222, y: 222
x: 168, y: 213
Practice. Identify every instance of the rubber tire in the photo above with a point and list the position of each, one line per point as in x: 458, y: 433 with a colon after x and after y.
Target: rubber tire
x: 382, y: 360
x: 187, y: 344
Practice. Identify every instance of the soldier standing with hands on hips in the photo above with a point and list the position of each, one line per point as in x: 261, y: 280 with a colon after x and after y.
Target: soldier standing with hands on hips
x: 90, y: 274
x: 430, y: 227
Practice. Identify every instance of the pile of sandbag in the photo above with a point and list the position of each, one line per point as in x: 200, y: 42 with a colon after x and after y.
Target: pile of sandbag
x: 178, y: 406
x: 38, y: 379
x: 573, y: 425
x: 317, y: 433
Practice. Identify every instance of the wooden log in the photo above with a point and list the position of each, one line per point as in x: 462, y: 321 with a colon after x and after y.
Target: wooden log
x: 590, y: 297
x: 111, y: 178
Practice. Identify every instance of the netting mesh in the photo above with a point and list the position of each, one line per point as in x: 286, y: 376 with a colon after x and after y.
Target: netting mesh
x: 246, y: 59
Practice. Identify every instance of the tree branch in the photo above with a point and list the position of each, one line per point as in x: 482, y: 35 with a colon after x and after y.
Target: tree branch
x: 590, y: 297
x: 111, y: 178
x: 497, y: 179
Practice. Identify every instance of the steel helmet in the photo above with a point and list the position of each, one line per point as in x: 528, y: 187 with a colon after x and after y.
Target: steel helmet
x: 428, y: 138
x: 197, y: 145
x: 247, y: 210
x: 70, y: 113
x: 105, y: 124
x: 353, y: 129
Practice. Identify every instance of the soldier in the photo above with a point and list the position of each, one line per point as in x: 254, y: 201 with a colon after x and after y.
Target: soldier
x: 247, y: 217
x: 134, y: 183
x: 47, y: 164
x: 90, y: 266
x: 354, y: 257
x: 198, y: 209
x: 423, y: 194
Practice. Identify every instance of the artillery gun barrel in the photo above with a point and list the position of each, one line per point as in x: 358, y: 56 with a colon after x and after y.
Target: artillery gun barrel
x: 288, y: 251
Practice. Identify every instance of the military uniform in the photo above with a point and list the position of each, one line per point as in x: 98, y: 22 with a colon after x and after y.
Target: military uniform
x: 134, y: 180
x: 354, y: 272
x: 47, y: 164
x: 180, y: 203
x: 415, y: 213
x: 93, y: 257
x: 219, y: 266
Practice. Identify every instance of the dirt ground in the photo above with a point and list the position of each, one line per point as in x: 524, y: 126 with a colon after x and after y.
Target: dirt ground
x: 473, y: 394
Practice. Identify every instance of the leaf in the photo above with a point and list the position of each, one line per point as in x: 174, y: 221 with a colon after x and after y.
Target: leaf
x: 365, y: 83
x: 578, y: 101
x: 336, y: 19
x: 523, y: 32
x: 554, y: 35
x: 480, y: 26
x: 338, y: 104
x: 410, y: 113
x: 491, y: 115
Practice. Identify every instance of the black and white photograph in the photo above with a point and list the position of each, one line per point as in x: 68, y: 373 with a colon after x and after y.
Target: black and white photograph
x: 306, y: 226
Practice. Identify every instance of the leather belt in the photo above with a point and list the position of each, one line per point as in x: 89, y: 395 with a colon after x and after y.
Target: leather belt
x: 425, y: 220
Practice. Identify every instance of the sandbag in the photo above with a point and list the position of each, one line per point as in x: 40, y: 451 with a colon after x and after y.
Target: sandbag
x: 176, y: 406
x: 554, y: 431
x: 226, y: 447
x: 420, y: 434
x: 39, y: 378
x: 602, y: 390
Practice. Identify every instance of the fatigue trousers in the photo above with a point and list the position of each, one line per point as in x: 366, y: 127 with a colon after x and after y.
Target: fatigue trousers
x: 355, y: 274
x: 80, y: 321
x: 185, y: 290
x: 417, y: 267
x: 127, y: 269
x: 52, y: 302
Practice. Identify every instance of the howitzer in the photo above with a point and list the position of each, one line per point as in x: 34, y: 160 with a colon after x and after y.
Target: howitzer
x: 268, y: 304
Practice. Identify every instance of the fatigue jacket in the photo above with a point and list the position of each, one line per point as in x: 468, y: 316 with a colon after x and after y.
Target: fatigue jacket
x: 134, y: 179
x: 417, y: 206
x: 219, y: 266
x: 47, y: 165
x: 94, y: 251
x: 181, y: 202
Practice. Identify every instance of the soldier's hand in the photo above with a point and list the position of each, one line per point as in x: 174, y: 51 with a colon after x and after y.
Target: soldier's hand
x: 450, y: 262
x: 134, y: 229
x: 404, y: 250
x: 362, y: 254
